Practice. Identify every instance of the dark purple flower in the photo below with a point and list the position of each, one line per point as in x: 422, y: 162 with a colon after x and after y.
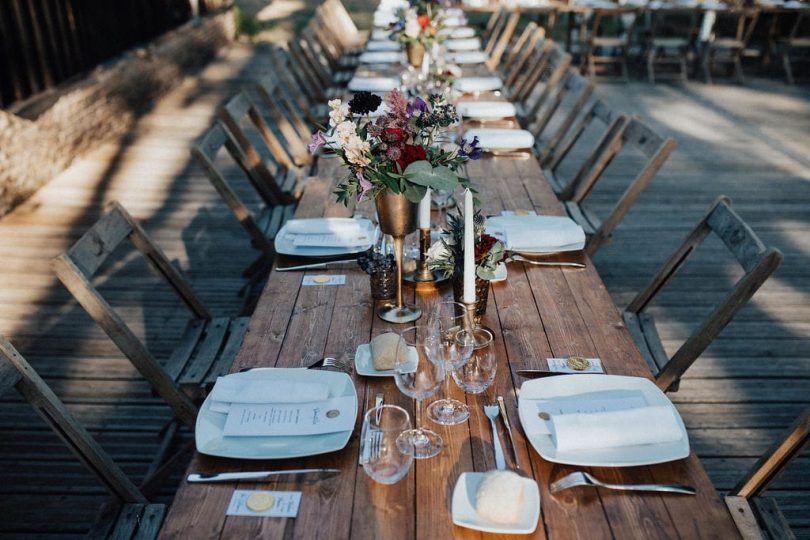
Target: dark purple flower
x: 470, y: 149
x: 364, y: 103
x: 418, y: 104
x: 316, y: 141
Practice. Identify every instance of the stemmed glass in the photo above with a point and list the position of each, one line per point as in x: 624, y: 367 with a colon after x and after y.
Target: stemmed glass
x: 452, y: 351
x: 379, y: 451
x: 478, y: 373
x: 441, y: 198
x: 418, y: 378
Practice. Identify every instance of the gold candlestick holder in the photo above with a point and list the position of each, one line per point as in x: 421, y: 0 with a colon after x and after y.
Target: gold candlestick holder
x: 423, y: 272
x: 474, y: 328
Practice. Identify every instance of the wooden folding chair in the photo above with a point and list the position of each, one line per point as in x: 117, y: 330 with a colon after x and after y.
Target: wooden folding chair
x: 344, y: 28
x: 759, y: 517
x: 758, y: 262
x: 542, y: 81
x: 262, y: 226
x: 729, y: 37
x: 330, y: 71
x: 520, y: 52
x: 797, y: 42
x: 671, y: 38
x: 275, y: 95
x: 564, y: 105
x: 132, y: 515
x: 499, y: 39
x: 607, y: 33
x: 634, y: 134
x: 305, y: 97
x: 288, y: 155
x: 208, y: 345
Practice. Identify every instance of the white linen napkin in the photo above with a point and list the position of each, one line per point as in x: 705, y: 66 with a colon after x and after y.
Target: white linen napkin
x: 373, y: 84
x: 629, y: 427
x: 382, y: 45
x: 537, y: 233
x: 467, y: 44
x: 486, y: 109
x: 237, y: 388
x: 501, y: 139
x: 459, y: 32
x: 467, y: 57
x: 381, y: 35
x: 478, y: 84
x: 328, y: 225
x: 382, y: 57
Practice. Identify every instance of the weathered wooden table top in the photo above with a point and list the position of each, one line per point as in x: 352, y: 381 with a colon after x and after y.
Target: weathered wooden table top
x: 539, y: 312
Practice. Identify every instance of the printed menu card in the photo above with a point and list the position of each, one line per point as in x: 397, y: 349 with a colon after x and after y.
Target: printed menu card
x: 269, y: 419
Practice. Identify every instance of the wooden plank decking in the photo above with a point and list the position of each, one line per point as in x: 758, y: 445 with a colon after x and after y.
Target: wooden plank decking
x: 749, y: 143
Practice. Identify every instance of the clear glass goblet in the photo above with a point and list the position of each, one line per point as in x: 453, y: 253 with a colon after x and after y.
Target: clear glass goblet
x: 380, y: 455
x: 418, y: 378
x: 477, y: 374
x: 445, y: 321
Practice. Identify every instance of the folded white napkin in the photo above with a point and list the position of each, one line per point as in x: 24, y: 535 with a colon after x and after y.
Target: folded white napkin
x: 373, y: 84
x: 383, y: 45
x: 382, y: 57
x: 537, y: 233
x: 381, y: 35
x: 501, y: 139
x: 328, y: 225
x: 478, y: 84
x: 466, y: 44
x: 239, y: 389
x: 486, y: 109
x: 630, y: 427
x: 458, y: 32
x: 467, y: 57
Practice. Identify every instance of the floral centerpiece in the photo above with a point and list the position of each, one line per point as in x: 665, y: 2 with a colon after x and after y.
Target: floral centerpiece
x: 401, y: 150
x: 447, y: 256
x: 418, y: 27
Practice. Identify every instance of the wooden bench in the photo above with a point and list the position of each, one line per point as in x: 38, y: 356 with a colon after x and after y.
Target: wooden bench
x: 758, y: 262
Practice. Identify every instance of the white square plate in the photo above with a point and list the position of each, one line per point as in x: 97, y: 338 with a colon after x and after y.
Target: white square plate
x: 210, y: 440
x: 285, y: 243
x: 582, y: 385
x: 364, y: 366
x: 464, y: 514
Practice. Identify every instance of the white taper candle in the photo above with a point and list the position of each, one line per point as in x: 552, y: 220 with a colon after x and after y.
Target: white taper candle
x: 424, y: 211
x: 469, y: 249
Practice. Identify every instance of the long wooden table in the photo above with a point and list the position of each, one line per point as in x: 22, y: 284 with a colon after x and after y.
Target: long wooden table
x: 538, y: 312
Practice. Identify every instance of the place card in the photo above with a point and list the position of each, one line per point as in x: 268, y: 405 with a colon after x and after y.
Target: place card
x: 567, y: 365
x: 266, y: 503
x: 277, y: 419
x: 325, y: 279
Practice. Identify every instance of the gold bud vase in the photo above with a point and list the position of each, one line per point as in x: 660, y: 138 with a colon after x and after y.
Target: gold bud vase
x: 416, y: 53
x: 397, y: 216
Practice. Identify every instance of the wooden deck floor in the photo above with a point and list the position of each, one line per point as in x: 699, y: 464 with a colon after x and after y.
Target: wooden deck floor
x: 749, y: 143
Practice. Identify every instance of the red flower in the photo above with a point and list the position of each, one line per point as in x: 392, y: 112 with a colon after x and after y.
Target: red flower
x: 424, y: 20
x: 483, y: 246
x: 393, y: 136
x: 411, y: 153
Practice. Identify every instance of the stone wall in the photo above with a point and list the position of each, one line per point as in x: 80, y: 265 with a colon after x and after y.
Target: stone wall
x: 102, y: 107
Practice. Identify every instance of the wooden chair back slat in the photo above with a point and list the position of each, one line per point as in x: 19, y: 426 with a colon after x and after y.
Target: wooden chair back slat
x: 558, y: 64
x: 16, y: 372
x: 96, y: 245
x: 496, y: 46
x: 285, y: 72
x: 598, y: 110
x: 758, y: 261
x: 271, y: 89
x: 776, y: 459
x: 520, y: 49
x: 574, y: 87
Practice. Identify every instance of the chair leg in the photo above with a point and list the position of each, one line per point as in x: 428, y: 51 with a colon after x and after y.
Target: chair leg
x: 625, y: 70
x: 707, y: 72
x: 788, y: 70
x: 650, y: 66
x: 683, y: 68
x: 738, y: 71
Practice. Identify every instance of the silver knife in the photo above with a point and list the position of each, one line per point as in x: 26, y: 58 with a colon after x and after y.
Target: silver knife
x: 313, y: 266
x: 258, y: 475
x: 537, y: 373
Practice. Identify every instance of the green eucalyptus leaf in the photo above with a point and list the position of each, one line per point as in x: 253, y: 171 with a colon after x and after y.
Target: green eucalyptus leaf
x: 425, y: 174
x: 414, y: 193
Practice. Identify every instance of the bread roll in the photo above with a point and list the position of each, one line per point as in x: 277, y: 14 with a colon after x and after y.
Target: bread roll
x: 499, y: 497
x: 384, y: 350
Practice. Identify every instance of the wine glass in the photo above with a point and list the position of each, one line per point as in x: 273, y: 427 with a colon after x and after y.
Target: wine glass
x: 417, y: 377
x: 478, y: 373
x: 445, y: 321
x: 441, y: 198
x: 380, y: 455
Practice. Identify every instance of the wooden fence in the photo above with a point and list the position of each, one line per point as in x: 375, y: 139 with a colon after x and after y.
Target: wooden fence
x: 45, y: 42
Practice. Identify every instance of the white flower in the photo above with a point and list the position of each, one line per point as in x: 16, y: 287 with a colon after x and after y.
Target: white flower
x: 344, y: 131
x: 356, y: 151
x: 412, y: 26
x: 438, y: 251
x: 338, y: 112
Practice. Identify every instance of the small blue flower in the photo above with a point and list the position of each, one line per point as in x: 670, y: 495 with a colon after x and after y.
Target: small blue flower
x: 470, y: 149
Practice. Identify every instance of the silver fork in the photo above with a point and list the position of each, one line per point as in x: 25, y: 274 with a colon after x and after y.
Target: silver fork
x: 372, y: 447
x: 337, y: 363
x: 492, y: 411
x: 516, y: 257
x: 581, y: 478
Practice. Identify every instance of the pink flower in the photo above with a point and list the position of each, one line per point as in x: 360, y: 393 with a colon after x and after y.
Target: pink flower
x: 365, y: 185
x: 397, y: 105
x: 316, y: 141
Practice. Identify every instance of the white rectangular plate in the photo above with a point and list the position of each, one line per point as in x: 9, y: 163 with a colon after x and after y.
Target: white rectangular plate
x: 210, y: 440
x: 285, y: 244
x: 582, y: 385
x: 464, y: 514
